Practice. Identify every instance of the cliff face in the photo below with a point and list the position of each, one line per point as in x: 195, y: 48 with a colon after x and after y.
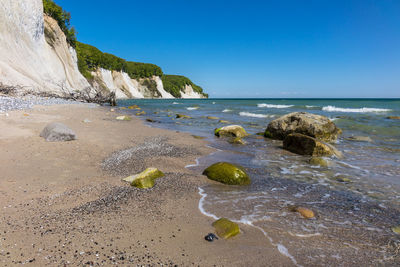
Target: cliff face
x: 35, y: 56
x: 26, y: 59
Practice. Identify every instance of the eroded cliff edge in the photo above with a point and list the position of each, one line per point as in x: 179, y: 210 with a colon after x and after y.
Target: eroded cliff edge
x: 35, y: 57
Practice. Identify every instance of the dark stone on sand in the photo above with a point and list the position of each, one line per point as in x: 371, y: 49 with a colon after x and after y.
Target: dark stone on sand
x: 210, y: 237
x: 56, y: 132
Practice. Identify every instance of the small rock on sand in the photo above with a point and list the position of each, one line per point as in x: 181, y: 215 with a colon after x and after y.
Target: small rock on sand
x: 55, y: 132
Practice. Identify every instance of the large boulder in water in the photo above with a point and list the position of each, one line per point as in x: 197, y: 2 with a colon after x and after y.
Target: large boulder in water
x: 306, y: 145
x: 227, y: 173
x: 55, y: 132
x: 231, y: 131
x: 313, y: 125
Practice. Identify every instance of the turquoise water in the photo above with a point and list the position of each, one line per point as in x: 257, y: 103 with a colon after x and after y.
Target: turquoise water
x: 361, y: 211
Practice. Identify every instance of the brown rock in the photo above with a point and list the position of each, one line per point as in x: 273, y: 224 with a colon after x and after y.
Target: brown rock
x: 312, y: 125
x: 305, y: 145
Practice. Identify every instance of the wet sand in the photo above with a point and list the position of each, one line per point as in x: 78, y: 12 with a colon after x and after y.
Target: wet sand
x: 62, y: 204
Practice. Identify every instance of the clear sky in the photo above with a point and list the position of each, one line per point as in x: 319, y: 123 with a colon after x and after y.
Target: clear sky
x: 250, y: 48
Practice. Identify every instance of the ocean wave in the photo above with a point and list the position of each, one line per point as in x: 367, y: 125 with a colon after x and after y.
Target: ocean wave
x: 255, y: 115
x: 175, y: 103
x: 192, y: 108
x: 273, y: 106
x: 227, y: 110
x: 359, y: 110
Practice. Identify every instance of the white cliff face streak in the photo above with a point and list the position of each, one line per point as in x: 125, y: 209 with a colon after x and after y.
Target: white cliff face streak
x: 160, y: 88
x: 35, y: 56
x: 26, y: 59
x: 188, y: 92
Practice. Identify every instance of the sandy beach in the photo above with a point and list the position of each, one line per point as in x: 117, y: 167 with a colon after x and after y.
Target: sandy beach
x: 63, y: 203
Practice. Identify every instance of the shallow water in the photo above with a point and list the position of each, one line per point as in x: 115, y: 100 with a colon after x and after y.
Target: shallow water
x: 355, y: 216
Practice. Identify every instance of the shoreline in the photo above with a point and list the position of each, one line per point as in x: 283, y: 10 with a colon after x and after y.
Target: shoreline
x: 58, y: 196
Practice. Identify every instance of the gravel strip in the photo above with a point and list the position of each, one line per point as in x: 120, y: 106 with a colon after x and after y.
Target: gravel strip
x: 8, y: 103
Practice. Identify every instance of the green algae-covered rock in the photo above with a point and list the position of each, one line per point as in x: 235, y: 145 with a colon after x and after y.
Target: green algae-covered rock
x: 396, y: 229
x: 227, y: 173
x: 231, y: 131
x: 223, y: 121
x: 267, y: 134
x: 226, y: 228
x: 237, y: 141
x: 212, y: 118
x: 182, y: 116
x: 198, y: 137
x: 144, y: 179
x: 134, y: 107
x: 342, y: 179
x: 123, y: 118
x: 317, y: 161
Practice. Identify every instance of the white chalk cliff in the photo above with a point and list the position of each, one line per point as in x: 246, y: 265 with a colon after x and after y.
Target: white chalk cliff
x: 34, y: 56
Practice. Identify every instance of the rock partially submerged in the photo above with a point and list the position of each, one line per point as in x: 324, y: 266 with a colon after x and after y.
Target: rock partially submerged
x: 140, y: 113
x: 182, y: 116
x: 145, y: 179
x: 237, y: 141
x: 134, y: 107
x: 227, y: 173
x: 306, y: 213
x: 226, y: 228
x: 56, y: 132
x: 393, y: 117
x: 312, y: 125
x: 306, y: 145
x: 318, y: 161
x: 231, y: 131
x: 212, y: 118
x: 360, y: 138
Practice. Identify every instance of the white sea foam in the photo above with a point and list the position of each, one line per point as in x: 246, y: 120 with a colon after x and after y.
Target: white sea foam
x: 175, y: 103
x: 248, y: 221
x: 227, y: 110
x: 304, y: 235
x: 193, y: 165
x: 358, y: 110
x: 273, y: 106
x: 255, y: 115
x: 201, y: 203
x: 307, y: 106
x: 192, y: 108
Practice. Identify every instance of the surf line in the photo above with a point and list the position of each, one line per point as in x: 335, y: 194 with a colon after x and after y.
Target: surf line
x: 281, y: 248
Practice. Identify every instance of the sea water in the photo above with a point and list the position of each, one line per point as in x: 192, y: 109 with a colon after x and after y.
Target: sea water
x: 354, y: 218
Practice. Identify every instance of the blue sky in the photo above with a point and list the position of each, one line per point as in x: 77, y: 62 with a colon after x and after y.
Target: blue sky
x: 255, y: 48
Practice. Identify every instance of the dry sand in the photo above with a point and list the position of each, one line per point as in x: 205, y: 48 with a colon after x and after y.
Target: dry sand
x: 62, y: 206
